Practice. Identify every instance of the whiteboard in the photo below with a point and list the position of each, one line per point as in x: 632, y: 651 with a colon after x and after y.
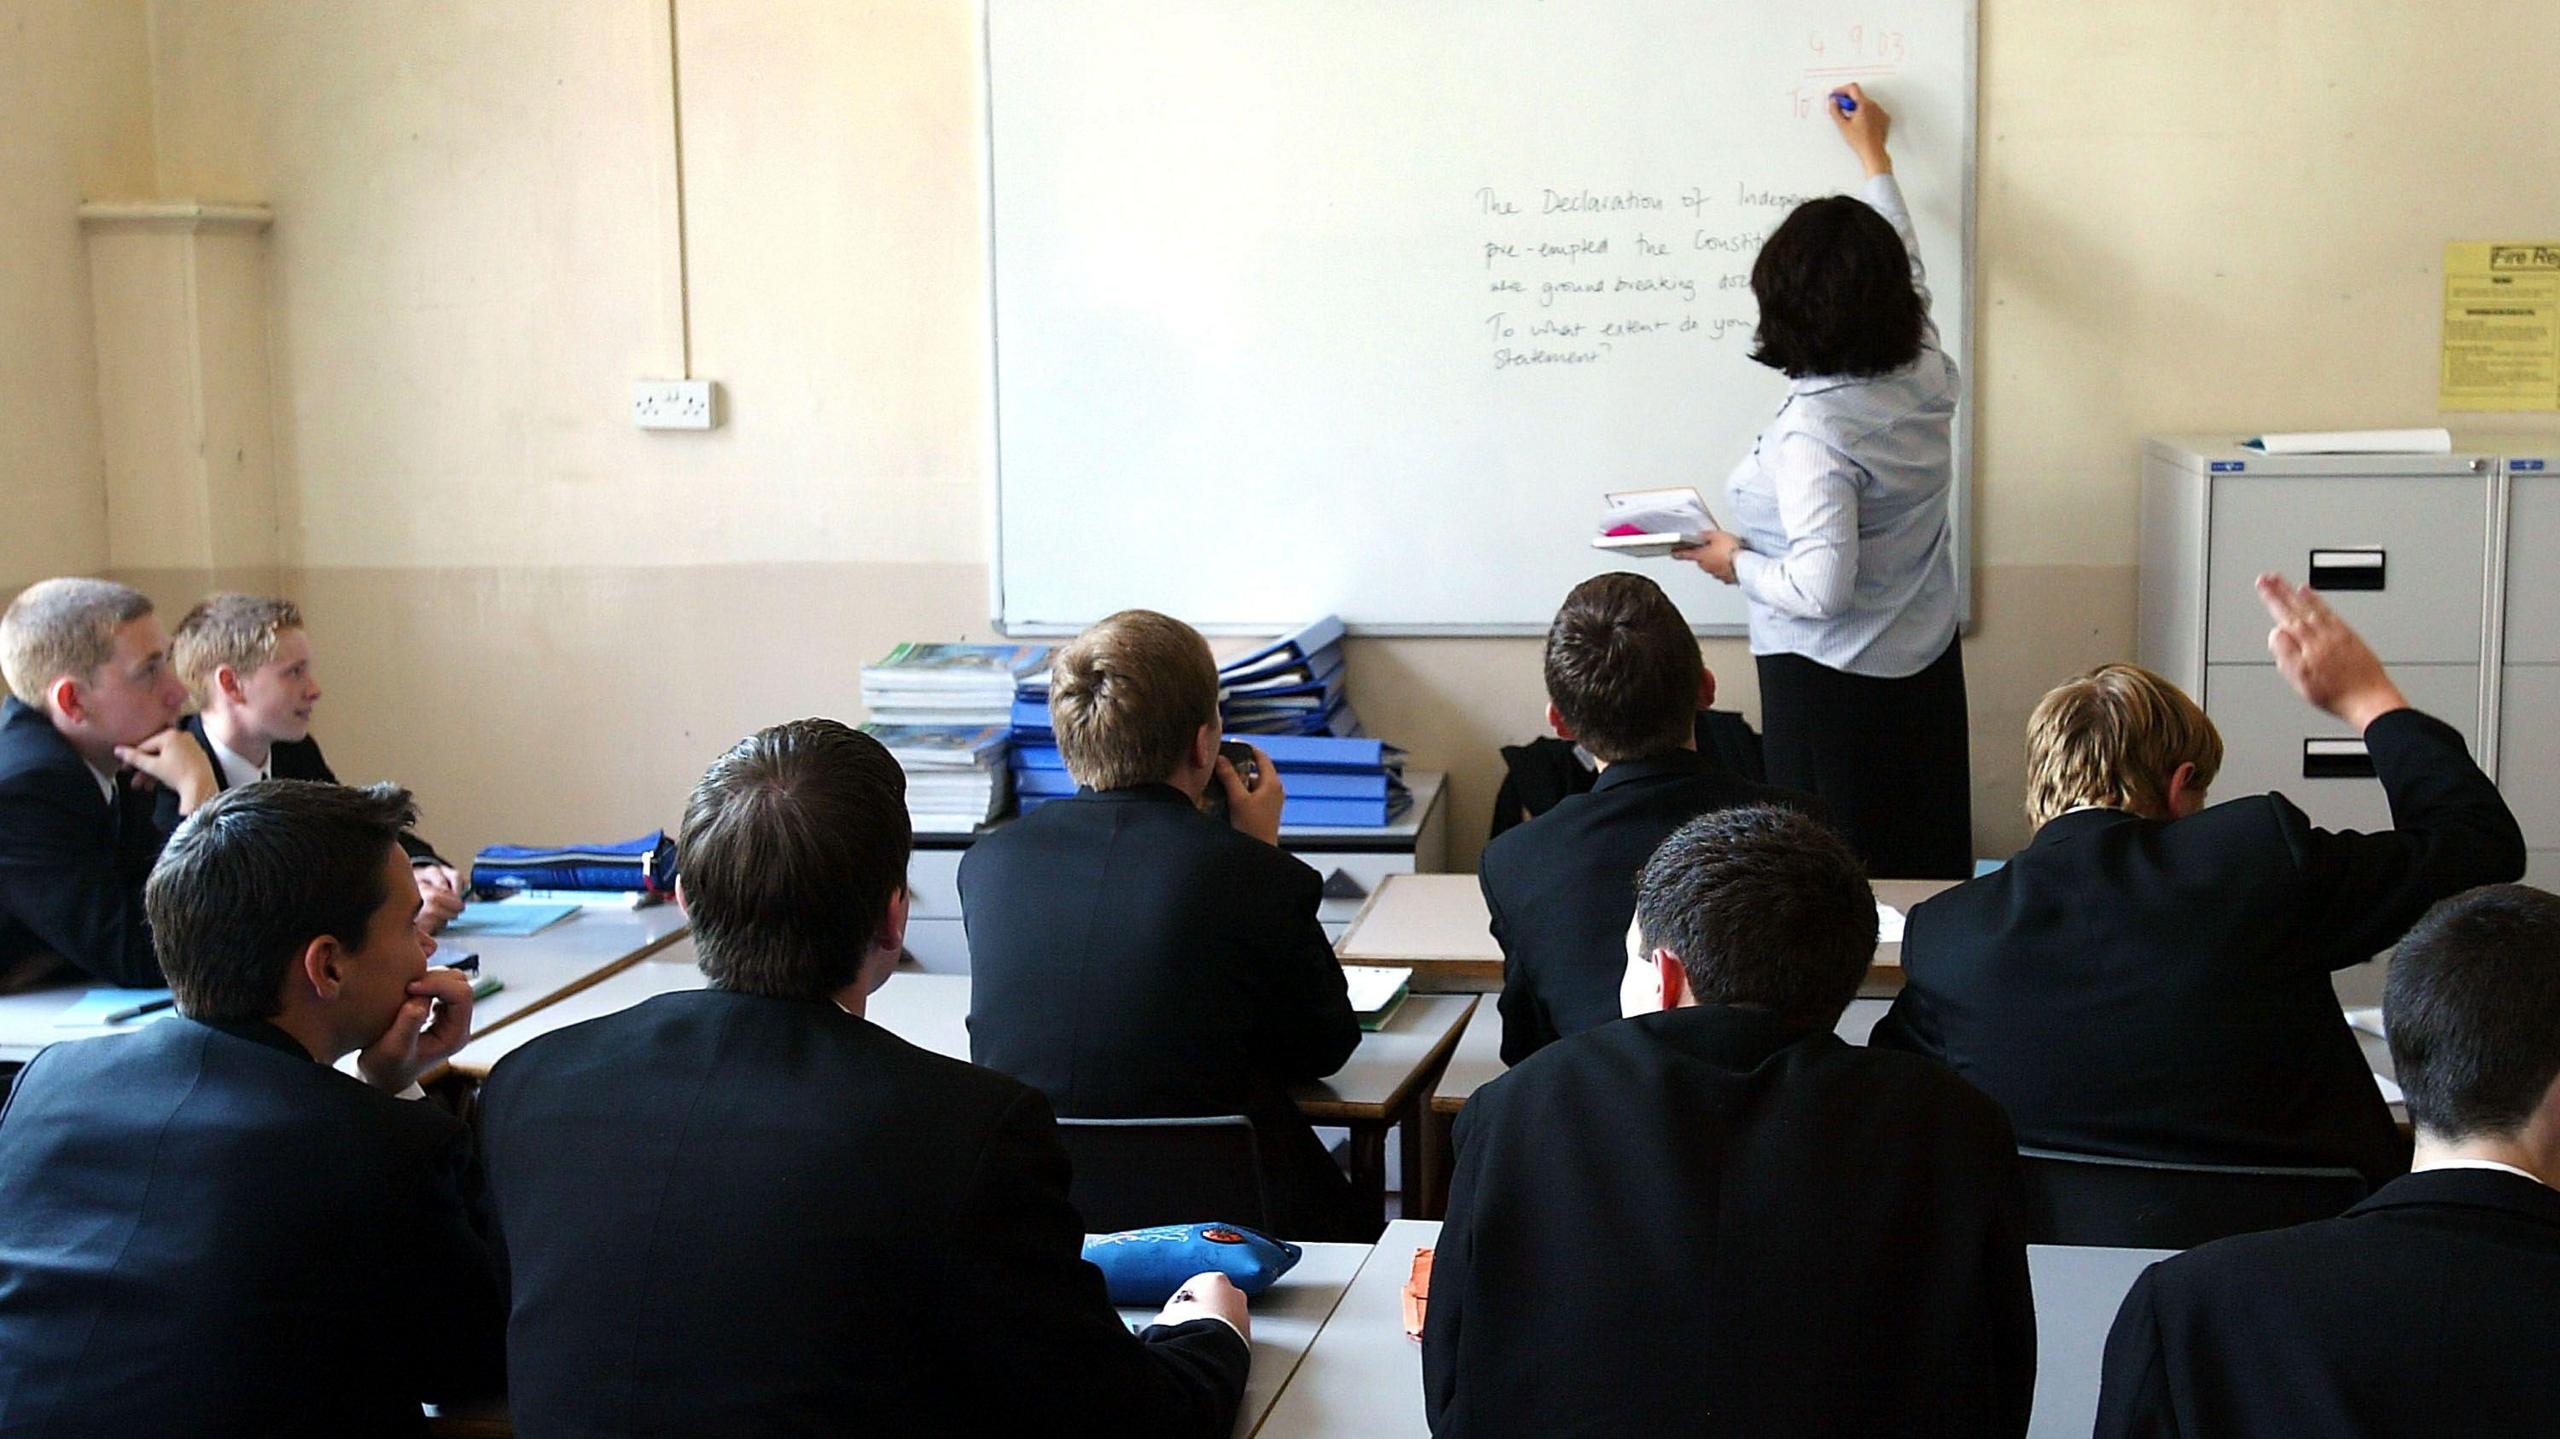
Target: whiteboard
x: 1359, y: 306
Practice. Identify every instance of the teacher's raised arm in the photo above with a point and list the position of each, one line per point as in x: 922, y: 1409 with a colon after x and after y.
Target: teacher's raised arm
x: 1841, y: 541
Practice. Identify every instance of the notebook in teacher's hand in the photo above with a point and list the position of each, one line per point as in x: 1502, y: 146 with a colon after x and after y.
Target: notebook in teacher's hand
x: 1650, y: 524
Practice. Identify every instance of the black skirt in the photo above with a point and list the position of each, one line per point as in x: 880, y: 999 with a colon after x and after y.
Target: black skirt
x: 1890, y: 758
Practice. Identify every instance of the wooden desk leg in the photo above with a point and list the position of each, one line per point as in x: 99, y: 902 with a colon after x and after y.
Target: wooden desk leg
x: 1369, y: 1167
x: 1414, y: 1131
x: 1438, y: 1164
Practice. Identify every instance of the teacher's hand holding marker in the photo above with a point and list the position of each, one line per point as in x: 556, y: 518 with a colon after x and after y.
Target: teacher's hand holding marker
x: 1840, y: 542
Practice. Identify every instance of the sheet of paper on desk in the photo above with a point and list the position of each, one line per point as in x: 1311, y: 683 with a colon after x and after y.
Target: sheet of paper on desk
x: 90, y: 1010
x: 2369, y: 1020
x: 1888, y: 924
x: 2390, y: 1091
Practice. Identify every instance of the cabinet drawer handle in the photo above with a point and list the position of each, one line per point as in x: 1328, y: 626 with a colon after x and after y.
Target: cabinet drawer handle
x: 2336, y: 759
x: 2355, y: 569
x: 1340, y: 885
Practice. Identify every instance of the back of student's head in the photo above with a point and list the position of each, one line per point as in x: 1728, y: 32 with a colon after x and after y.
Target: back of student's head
x: 1764, y: 908
x: 1127, y: 696
x: 794, y: 844
x: 1623, y: 668
x: 63, y: 627
x: 2113, y: 737
x: 255, y: 875
x: 2472, y: 1008
x: 1833, y: 283
x: 226, y: 629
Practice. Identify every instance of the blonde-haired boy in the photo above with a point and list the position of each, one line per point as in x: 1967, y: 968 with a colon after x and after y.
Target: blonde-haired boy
x: 1132, y: 957
x: 86, y: 733
x: 2149, y: 977
x: 246, y: 659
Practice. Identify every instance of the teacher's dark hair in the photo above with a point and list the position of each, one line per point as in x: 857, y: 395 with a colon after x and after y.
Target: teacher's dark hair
x: 258, y: 873
x: 1835, y: 293
x: 794, y: 844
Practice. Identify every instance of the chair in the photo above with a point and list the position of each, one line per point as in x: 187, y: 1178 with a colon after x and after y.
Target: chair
x: 2091, y: 1199
x: 1132, y: 1173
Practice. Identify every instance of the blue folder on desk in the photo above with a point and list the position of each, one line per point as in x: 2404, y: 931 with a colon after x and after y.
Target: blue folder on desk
x: 509, y: 918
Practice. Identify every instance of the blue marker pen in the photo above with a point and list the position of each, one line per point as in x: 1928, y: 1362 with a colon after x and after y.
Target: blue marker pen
x: 1847, y: 105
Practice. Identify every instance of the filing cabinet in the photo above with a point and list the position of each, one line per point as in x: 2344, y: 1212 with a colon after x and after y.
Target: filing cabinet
x: 2528, y: 757
x: 2449, y: 565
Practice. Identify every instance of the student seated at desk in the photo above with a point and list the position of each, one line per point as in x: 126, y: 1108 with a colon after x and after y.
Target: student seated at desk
x: 211, y: 1231
x: 2433, y: 1307
x: 246, y: 660
x: 747, y: 1210
x: 2149, y: 978
x: 1132, y: 957
x: 87, y: 731
x: 1717, y: 1216
x: 1624, y: 678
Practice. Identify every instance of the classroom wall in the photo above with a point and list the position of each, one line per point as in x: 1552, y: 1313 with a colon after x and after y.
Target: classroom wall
x: 2221, y: 217
x: 75, y: 124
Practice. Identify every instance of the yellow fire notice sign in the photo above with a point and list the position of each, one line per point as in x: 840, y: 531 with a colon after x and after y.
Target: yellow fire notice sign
x: 2501, y: 327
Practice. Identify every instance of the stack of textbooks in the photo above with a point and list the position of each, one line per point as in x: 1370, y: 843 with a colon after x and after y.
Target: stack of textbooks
x: 943, y: 712
x: 957, y: 685
x: 956, y: 775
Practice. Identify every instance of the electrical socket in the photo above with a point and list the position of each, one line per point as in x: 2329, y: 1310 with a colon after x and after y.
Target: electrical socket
x: 673, y: 404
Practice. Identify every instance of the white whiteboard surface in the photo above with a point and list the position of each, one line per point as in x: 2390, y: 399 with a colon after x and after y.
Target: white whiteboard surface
x: 1249, y: 257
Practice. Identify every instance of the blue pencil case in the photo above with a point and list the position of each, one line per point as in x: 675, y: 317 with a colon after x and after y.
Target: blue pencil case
x: 1144, y: 1266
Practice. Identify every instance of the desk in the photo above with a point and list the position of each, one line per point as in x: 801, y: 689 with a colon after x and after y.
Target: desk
x: 1384, y: 1083
x: 1365, y: 1377
x: 1438, y: 925
x: 1286, y: 1320
x: 538, y: 969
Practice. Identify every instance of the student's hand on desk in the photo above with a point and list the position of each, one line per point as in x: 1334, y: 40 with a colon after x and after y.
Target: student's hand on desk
x: 439, y: 895
x: 1254, y: 811
x: 432, y: 1023
x: 2322, y: 656
x: 172, y: 759
x: 1208, y: 1296
x: 1713, y: 553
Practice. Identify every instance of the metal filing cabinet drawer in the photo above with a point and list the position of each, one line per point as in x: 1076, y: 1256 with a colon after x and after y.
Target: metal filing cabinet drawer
x: 2529, y: 750
x: 2400, y: 557
x: 2533, y: 573
x: 2270, y: 737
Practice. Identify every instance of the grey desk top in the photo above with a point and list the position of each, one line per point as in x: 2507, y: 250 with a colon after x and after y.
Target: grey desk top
x: 1365, y: 1377
x: 538, y: 970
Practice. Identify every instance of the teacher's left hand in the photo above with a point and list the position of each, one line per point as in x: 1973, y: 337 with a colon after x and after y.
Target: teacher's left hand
x: 1714, y: 553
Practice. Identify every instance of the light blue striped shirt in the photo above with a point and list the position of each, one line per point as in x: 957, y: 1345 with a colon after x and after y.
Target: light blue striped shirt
x: 1848, y: 556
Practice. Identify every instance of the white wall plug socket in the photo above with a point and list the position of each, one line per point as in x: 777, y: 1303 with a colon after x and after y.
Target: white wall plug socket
x: 673, y: 404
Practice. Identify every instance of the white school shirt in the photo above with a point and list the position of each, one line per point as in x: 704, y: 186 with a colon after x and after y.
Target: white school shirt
x: 237, y: 771
x: 1849, y: 558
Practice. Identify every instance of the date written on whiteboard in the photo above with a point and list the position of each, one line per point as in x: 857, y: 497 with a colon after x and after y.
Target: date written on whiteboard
x: 1860, y: 53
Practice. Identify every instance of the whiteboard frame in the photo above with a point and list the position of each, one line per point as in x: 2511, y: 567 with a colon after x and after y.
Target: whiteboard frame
x: 1960, y: 499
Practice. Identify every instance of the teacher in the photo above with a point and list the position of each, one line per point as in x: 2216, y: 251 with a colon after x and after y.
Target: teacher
x: 1842, y: 544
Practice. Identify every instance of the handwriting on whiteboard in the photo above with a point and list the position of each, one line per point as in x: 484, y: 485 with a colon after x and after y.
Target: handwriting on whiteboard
x: 1583, y: 277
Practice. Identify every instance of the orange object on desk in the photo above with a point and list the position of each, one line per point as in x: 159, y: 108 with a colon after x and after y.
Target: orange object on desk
x: 1417, y: 1294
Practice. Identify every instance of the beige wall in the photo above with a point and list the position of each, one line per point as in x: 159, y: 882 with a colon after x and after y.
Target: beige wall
x: 2220, y: 216
x: 75, y: 124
